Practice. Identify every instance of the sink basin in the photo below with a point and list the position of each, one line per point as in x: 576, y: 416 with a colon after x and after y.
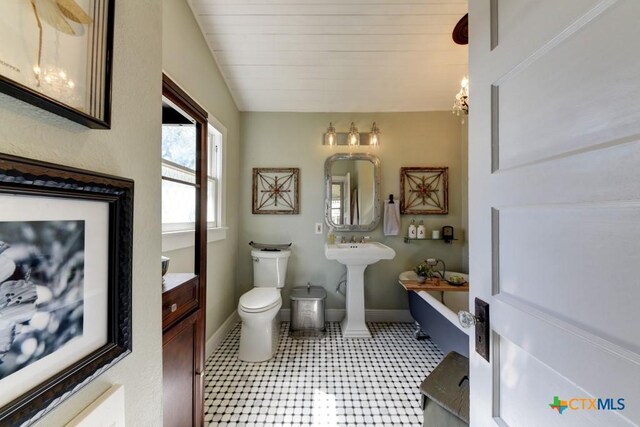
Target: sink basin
x: 356, y: 256
x: 358, y: 253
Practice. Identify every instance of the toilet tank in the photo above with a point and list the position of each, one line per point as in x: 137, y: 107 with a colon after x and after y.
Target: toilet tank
x: 269, y: 268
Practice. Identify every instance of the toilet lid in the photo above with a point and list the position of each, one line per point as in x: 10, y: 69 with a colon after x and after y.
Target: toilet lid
x: 259, y: 299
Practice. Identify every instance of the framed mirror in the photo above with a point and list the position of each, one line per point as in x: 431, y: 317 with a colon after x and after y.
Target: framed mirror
x: 352, y: 192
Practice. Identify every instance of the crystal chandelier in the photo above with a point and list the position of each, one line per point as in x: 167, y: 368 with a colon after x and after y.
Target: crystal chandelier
x: 55, y: 82
x: 461, y: 105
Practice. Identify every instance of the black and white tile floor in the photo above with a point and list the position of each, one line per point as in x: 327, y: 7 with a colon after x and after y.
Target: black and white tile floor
x: 325, y: 382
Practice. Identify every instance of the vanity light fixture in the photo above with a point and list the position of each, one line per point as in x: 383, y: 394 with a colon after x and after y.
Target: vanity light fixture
x: 330, y: 138
x: 461, y: 104
x: 374, y: 135
x: 353, y: 138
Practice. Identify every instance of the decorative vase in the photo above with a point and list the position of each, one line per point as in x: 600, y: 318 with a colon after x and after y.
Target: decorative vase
x: 421, y: 279
x: 165, y: 266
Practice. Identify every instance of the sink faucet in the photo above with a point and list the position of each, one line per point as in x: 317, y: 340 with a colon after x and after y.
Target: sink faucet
x: 353, y: 239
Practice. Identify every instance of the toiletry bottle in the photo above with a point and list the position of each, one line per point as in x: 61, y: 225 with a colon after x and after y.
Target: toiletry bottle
x: 331, y: 238
x: 421, y: 230
x: 412, y: 229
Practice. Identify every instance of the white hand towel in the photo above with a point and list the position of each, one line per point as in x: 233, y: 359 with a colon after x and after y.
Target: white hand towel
x: 391, y: 218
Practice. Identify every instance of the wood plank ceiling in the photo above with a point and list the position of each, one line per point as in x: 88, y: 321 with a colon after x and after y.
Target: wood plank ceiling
x: 336, y: 55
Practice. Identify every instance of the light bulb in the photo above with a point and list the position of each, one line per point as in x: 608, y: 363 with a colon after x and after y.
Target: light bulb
x: 374, y: 136
x: 330, y: 135
x: 353, y: 137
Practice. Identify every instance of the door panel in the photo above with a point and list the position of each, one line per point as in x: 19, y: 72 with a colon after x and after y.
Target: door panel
x: 594, y: 365
x: 525, y: 382
x: 562, y: 269
x: 521, y: 28
x: 531, y: 23
x: 590, y: 111
x: 554, y: 200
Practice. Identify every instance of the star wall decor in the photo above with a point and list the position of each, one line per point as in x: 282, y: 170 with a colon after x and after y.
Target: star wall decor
x: 424, y: 191
x: 275, y: 191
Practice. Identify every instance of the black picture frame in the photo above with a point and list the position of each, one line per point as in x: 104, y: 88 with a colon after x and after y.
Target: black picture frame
x: 26, y: 177
x: 105, y: 62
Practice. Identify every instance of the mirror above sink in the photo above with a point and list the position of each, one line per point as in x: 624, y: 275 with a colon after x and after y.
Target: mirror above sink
x: 352, y: 192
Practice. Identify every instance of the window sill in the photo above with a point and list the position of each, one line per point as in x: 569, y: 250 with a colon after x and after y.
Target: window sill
x: 184, y: 239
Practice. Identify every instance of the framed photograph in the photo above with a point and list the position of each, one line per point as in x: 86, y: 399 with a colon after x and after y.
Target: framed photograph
x: 65, y: 282
x: 424, y: 191
x: 275, y: 191
x: 57, y: 55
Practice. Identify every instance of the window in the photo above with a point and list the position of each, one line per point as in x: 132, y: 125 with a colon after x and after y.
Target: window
x: 179, y: 135
x: 179, y: 138
x: 214, y: 197
x: 336, y: 203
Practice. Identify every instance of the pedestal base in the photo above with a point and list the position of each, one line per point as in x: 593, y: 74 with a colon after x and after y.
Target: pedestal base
x: 353, y: 325
x: 351, y: 330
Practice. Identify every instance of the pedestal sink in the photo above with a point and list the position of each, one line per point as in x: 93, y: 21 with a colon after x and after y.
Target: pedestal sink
x: 356, y: 256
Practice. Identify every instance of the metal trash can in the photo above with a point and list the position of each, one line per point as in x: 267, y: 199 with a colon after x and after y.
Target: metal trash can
x: 445, y: 393
x: 307, y: 311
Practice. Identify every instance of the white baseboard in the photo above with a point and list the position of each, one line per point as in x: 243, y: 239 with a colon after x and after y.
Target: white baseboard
x: 218, y: 336
x: 336, y: 315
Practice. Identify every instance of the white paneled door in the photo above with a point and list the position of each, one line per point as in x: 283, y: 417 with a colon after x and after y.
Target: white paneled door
x: 554, y: 154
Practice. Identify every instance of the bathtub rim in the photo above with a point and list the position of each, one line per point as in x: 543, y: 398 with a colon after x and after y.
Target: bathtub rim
x: 435, y: 302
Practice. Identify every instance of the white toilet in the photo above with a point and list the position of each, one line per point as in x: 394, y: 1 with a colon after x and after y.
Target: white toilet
x: 258, y: 308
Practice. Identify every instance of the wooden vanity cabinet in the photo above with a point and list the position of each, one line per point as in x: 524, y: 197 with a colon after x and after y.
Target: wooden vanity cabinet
x: 179, y: 373
x: 181, y: 346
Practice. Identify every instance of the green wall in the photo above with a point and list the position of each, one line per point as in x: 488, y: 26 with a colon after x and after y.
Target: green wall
x: 131, y: 149
x: 187, y: 59
x: 294, y: 140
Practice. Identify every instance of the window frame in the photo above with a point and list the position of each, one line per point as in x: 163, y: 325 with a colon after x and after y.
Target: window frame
x: 216, y: 169
x: 177, y: 227
x: 173, y: 239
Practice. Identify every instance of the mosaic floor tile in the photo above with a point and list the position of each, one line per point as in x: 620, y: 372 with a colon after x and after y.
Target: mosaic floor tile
x: 325, y: 382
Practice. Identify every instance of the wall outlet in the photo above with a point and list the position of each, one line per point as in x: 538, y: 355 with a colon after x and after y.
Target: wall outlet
x: 318, y: 228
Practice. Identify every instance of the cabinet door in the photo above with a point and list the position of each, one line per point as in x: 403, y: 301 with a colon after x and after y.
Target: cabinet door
x: 179, y: 373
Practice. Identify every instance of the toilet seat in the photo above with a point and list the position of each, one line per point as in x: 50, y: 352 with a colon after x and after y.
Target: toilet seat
x: 258, y: 300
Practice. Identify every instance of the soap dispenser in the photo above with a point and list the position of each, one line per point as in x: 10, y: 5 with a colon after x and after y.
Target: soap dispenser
x: 421, y: 230
x: 331, y: 238
x: 412, y: 229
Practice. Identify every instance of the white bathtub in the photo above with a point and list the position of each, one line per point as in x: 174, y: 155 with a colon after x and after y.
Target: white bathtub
x: 437, y: 314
